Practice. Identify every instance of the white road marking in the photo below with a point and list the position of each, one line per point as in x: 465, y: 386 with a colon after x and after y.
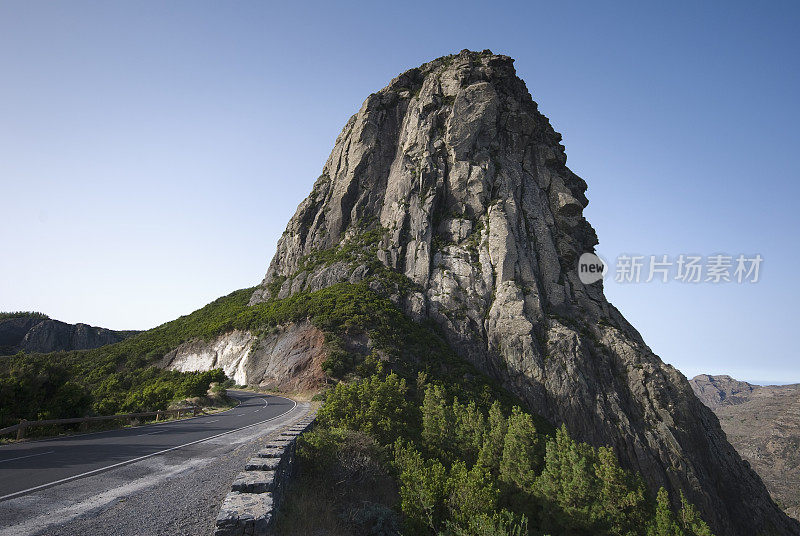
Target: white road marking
x: 92, y: 503
x: 106, y: 468
x: 215, y: 420
x: 72, y: 436
x: 28, y: 456
x: 151, y: 433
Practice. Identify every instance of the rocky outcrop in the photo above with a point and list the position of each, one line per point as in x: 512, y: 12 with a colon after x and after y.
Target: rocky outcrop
x: 287, y: 358
x: 13, y: 330
x: 718, y: 391
x: 763, y: 423
x: 467, y: 183
x: 38, y: 334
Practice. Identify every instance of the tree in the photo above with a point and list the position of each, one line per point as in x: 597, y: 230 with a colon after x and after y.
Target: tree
x: 502, y: 523
x: 470, y: 429
x: 690, y: 519
x: 622, y: 502
x: 664, y: 522
x: 437, y: 422
x: 494, y: 439
x: 523, y: 452
x: 149, y: 397
x: 471, y: 493
x: 567, y: 488
x: 37, y: 389
x: 423, y: 488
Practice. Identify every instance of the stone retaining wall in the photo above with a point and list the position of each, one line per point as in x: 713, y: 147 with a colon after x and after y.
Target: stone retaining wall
x: 256, y: 493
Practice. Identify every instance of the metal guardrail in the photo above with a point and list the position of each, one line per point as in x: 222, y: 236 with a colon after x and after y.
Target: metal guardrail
x: 24, y: 425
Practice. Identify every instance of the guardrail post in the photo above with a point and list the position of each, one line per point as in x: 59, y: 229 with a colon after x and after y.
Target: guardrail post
x: 158, y: 415
x: 21, y: 430
x: 195, y: 410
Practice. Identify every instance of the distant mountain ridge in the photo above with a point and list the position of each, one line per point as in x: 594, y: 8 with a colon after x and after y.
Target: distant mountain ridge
x: 718, y: 391
x: 763, y: 423
x: 31, y: 332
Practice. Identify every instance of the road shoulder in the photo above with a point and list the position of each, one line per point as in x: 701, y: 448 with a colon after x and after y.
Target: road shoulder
x: 175, y: 493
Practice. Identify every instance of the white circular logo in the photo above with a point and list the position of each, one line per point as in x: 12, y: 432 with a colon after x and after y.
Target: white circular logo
x: 591, y: 268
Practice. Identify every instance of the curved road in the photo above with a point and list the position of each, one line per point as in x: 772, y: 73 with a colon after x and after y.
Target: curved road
x: 36, y: 465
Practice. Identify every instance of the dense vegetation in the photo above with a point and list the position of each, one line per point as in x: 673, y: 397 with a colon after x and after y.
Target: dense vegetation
x: 33, y: 387
x: 23, y: 314
x: 465, y: 469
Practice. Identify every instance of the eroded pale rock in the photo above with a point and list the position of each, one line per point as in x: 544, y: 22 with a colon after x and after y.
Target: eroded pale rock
x: 289, y: 357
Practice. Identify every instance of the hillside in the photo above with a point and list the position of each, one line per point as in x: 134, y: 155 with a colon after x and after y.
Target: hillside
x: 763, y: 423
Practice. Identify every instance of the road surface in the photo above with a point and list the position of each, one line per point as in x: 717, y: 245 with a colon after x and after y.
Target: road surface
x: 63, y: 479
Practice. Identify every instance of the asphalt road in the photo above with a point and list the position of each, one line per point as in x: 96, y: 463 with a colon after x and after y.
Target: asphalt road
x: 32, y: 466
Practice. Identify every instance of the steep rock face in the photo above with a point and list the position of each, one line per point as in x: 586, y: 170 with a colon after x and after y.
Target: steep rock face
x: 763, y: 423
x: 13, y: 330
x: 469, y: 181
x: 287, y: 358
x: 44, y: 335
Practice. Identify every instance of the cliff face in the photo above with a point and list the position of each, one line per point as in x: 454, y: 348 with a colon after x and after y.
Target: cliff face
x: 763, y: 423
x: 288, y: 358
x: 468, y: 182
x: 35, y: 334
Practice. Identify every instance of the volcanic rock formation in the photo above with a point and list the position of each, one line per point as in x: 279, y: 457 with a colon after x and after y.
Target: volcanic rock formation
x: 468, y: 181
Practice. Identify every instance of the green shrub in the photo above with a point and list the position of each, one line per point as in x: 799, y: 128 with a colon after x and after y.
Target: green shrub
x: 376, y: 406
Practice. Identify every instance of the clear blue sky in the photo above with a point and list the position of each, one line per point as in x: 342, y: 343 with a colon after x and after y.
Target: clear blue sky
x: 151, y: 153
